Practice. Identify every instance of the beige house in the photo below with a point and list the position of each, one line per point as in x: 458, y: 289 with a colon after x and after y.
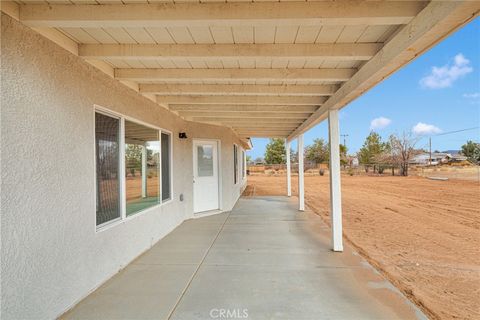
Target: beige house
x: 120, y: 120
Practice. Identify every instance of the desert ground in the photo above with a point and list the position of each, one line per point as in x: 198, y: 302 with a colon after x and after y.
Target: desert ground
x: 424, y: 235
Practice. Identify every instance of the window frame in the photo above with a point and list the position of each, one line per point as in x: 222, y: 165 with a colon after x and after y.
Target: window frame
x: 236, y: 176
x: 244, y: 163
x: 170, y: 168
x: 123, y: 197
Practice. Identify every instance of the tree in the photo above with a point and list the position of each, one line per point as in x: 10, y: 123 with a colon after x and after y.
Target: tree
x: 133, y: 158
x: 471, y: 150
x: 258, y: 160
x: 372, y: 147
x: 371, y: 150
x: 343, y: 155
x: 275, y: 152
x: 403, y: 149
x: 248, y: 159
x: 317, y: 152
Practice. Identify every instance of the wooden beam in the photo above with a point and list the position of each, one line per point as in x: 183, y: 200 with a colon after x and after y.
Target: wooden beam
x: 255, y: 100
x: 249, y: 132
x: 245, y: 108
x: 239, y: 89
x: 246, y: 120
x: 336, y: 52
x: 179, y: 75
x: 221, y: 14
x: 263, y: 135
x: 431, y: 25
x: 247, y: 115
x: 273, y: 128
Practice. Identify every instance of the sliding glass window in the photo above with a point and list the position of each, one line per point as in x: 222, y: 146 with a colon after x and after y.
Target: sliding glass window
x: 133, y: 166
x: 107, y: 160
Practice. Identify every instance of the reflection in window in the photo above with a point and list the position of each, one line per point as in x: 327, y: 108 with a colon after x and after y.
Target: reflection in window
x: 142, y: 164
x: 166, y: 195
x: 107, y: 134
x: 205, y: 160
x: 244, y: 164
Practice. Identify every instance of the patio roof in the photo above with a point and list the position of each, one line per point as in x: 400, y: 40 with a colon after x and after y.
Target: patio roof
x: 265, y: 69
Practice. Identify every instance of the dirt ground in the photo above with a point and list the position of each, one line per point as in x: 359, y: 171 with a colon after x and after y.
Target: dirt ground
x: 423, y: 234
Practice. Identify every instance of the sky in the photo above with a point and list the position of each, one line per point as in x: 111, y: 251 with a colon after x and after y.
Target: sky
x: 435, y: 94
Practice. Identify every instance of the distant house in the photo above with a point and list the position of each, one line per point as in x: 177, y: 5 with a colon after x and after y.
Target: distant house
x: 436, y: 158
x: 457, y: 157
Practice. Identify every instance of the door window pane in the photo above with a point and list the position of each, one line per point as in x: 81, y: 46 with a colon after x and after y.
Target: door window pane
x: 165, y: 166
x: 107, y: 134
x: 142, y: 164
x: 205, y: 160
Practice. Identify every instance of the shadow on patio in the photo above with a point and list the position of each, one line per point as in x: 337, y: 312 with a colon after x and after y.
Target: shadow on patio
x: 263, y: 260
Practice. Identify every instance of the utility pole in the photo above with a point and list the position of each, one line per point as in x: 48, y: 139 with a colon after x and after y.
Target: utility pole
x: 344, y: 139
x: 430, y: 146
x: 345, y: 145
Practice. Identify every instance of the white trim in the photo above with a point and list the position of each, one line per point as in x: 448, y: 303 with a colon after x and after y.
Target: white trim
x: 335, y: 183
x: 122, y: 171
x: 219, y: 174
x: 289, y: 171
x: 122, y: 180
x: 301, y: 178
x: 236, y: 179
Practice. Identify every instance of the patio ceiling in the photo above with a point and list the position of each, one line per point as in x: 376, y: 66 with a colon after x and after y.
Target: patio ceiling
x: 265, y: 69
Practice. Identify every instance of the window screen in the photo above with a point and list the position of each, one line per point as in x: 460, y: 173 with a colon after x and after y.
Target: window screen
x: 107, y: 134
x: 166, y: 192
x: 142, y: 164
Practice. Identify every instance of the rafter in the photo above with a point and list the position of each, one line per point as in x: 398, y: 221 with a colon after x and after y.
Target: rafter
x: 255, y: 100
x: 148, y: 75
x: 338, y: 52
x: 260, y: 128
x: 237, y: 89
x: 245, y: 108
x: 246, y: 121
x: 221, y: 14
x: 245, y: 115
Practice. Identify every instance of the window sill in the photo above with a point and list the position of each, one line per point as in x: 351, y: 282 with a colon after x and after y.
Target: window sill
x: 119, y: 221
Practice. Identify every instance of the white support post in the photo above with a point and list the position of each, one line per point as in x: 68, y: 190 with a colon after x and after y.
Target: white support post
x: 144, y: 171
x: 289, y: 178
x: 301, y: 184
x: 335, y: 186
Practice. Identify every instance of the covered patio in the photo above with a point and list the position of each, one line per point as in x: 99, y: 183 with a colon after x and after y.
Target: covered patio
x: 100, y: 98
x: 263, y: 260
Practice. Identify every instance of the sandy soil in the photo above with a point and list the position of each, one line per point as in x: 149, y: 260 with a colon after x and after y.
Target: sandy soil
x: 423, y: 234
x: 134, y: 187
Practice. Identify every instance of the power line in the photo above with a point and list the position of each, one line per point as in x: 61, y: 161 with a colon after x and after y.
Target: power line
x: 450, y: 132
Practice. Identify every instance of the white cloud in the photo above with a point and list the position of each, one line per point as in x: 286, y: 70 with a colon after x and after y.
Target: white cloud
x: 475, y: 95
x: 425, y: 129
x: 443, y: 77
x: 379, y: 123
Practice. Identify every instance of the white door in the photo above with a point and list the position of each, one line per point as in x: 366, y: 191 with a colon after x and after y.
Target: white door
x: 205, y: 176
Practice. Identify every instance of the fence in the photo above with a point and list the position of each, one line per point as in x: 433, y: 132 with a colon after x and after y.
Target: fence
x: 282, y: 168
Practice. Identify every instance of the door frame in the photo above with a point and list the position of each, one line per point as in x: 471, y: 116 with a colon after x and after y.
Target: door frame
x: 219, y: 173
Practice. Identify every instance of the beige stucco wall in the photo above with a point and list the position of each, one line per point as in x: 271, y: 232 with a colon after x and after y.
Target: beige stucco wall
x: 51, y: 254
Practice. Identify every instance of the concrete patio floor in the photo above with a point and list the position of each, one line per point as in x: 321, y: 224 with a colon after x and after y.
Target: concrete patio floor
x: 265, y: 259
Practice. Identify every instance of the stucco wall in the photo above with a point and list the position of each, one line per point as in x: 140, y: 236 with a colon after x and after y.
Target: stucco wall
x: 51, y: 254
